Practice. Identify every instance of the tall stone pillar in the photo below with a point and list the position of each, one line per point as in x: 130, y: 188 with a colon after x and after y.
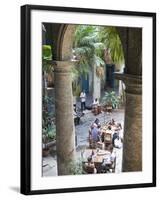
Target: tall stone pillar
x: 132, y: 146
x: 96, y: 84
x: 65, y: 131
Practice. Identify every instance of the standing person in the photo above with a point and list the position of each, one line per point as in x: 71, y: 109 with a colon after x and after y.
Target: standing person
x: 95, y: 134
x: 83, y: 100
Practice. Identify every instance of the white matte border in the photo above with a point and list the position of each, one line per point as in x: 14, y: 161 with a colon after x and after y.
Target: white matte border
x: 42, y: 183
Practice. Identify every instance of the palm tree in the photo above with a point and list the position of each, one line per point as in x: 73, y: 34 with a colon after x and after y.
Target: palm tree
x: 89, y: 45
x: 111, y: 40
x: 114, y: 51
x: 88, y: 48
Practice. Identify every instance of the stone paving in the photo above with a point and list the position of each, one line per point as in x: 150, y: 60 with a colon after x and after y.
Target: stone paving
x: 81, y: 131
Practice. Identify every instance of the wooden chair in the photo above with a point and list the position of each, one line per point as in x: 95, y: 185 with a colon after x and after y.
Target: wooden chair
x: 113, y: 165
x: 88, y: 168
x: 107, y: 139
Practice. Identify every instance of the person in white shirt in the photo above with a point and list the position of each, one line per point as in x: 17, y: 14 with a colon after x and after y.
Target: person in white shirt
x: 95, y: 102
x: 118, y: 142
x: 108, y: 160
x: 83, y: 100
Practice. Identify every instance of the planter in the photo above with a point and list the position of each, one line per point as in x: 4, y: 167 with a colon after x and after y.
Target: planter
x: 107, y: 108
x: 47, y: 147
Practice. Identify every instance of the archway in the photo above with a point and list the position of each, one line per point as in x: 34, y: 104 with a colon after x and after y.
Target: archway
x: 132, y: 45
x: 131, y: 39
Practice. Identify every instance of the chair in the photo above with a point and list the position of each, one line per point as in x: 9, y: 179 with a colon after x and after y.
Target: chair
x: 113, y: 165
x: 89, y: 168
x: 107, y: 139
x: 99, y: 145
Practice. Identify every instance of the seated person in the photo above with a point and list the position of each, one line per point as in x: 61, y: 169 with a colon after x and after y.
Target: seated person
x: 108, y: 161
x: 95, y: 102
x: 114, y: 136
x: 119, y: 126
x: 120, y: 130
x: 118, y: 142
x: 112, y: 122
x: 108, y: 131
x: 89, y: 167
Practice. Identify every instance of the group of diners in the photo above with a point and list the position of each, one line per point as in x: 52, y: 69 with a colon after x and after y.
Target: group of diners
x: 100, y: 161
x: 109, y: 133
x: 102, y: 157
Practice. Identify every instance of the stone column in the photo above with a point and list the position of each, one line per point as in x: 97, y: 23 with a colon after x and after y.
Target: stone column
x: 65, y: 130
x: 132, y: 145
x: 96, y: 84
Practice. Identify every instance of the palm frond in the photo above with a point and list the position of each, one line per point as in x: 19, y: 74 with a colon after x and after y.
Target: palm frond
x: 112, y: 41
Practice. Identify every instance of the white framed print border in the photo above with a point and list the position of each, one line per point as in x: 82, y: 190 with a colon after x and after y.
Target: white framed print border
x: 140, y: 66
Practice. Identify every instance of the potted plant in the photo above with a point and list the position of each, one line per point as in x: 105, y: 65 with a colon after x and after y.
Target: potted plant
x: 48, y: 126
x: 110, y: 100
x: 45, y: 147
x: 48, y: 135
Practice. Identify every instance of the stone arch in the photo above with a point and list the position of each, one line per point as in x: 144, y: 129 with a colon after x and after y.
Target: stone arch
x: 66, y: 37
x: 131, y: 39
x: 65, y: 40
x: 131, y: 49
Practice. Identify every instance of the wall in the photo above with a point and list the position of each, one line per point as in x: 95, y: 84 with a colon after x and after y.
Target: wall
x: 10, y: 95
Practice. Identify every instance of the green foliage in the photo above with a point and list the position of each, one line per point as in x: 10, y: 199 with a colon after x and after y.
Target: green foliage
x: 46, y: 58
x: 76, y: 89
x: 48, y: 126
x: 75, y: 167
x: 111, y: 99
x: 111, y: 40
x: 46, y: 52
x: 89, y: 45
x: 88, y: 48
x: 49, y: 134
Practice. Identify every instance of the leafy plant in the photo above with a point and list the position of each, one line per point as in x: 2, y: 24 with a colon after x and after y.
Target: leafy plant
x: 49, y: 134
x: 46, y: 52
x: 112, y: 42
x: 76, y: 89
x: 88, y: 48
x: 46, y: 58
x: 48, y: 125
x: 75, y: 167
x: 111, y: 99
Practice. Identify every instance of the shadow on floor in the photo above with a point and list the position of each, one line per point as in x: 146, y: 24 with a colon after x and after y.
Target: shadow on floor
x: 15, y: 189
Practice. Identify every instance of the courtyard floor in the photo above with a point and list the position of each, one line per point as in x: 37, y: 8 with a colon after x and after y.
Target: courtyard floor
x: 81, y: 131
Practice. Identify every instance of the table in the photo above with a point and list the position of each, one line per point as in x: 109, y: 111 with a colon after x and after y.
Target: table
x: 97, y: 158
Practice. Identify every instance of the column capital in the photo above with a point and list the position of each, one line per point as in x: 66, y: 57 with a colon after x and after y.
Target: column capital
x: 133, y: 83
